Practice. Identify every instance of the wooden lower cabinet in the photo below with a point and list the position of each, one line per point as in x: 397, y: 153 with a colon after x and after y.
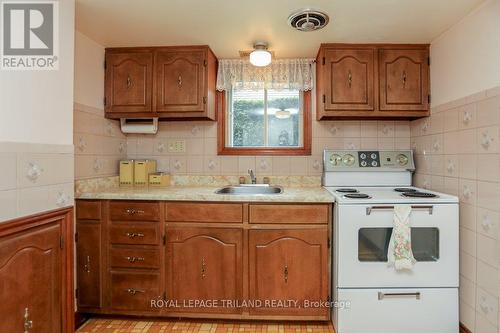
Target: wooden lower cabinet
x: 88, y: 264
x: 193, y: 264
x: 204, y: 264
x: 36, y: 274
x: 289, y: 265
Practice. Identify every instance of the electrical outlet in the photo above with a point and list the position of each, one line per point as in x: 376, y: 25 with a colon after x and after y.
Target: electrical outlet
x: 177, y: 146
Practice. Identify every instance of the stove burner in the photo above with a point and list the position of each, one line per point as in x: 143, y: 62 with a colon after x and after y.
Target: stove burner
x: 357, y: 196
x: 347, y: 190
x: 418, y: 194
x: 405, y: 189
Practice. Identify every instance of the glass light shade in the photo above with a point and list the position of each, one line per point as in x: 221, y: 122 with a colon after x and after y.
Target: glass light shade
x: 260, y: 58
x: 282, y: 114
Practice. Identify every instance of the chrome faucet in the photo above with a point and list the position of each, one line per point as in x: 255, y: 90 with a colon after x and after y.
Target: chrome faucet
x: 252, y: 176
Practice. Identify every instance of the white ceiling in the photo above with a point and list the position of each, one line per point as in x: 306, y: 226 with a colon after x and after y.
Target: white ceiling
x: 232, y: 25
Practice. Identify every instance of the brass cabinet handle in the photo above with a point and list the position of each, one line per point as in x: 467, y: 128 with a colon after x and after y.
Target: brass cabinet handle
x: 86, y: 267
x: 285, y: 273
x: 27, y: 323
x: 131, y: 211
x: 134, y: 259
x: 349, y: 79
x: 129, y: 81
x: 403, y: 78
x: 133, y: 291
x: 179, y: 81
x: 203, y: 268
x: 134, y: 234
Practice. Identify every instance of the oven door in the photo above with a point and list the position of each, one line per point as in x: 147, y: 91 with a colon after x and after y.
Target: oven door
x: 363, y: 234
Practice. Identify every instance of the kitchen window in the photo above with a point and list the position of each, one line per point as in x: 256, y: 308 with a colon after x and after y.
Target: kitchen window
x: 265, y: 122
x: 264, y: 110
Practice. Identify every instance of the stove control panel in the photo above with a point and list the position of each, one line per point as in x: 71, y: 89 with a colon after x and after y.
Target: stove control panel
x: 368, y: 160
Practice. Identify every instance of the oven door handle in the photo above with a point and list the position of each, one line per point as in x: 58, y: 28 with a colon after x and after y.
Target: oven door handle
x: 382, y: 295
x: 369, y: 210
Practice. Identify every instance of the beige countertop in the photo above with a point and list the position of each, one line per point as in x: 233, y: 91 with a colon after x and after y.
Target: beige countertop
x: 207, y: 193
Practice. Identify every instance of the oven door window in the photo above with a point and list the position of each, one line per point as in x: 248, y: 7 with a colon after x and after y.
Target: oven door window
x: 373, y: 244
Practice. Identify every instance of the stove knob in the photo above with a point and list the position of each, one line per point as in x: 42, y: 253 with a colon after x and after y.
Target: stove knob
x: 374, y: 163
x: 402, y: 159
x: 335, y: 160
x: 373, y: 156
x: 348, y: 159
x: 363, y: 163
x: 363, y: 156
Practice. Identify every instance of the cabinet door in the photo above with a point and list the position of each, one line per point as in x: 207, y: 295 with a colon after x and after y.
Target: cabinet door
x: 180, y: 81
x: 204, y: 264
x: 30, y: 280
x: 129, y: 81
x: 404, y: 79
x: 349, y: 79
x: 289, y: 265
x: 88, y: 261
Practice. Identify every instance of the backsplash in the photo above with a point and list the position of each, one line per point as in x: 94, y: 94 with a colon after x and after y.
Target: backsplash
x: 99, y: 143
x: 458, y: 152
x: 35, y: 178
x: 201, y: 157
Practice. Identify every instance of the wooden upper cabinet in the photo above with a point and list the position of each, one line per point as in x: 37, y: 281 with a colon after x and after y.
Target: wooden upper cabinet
x: 176, y: 83
x: 129, y: 82
x: 349, y: 79
x: 180, y: 81
x: 404, y: 79
x: 368, y: 80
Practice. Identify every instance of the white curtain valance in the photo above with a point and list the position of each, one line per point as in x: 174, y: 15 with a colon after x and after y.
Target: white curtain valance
x: 280, y: 74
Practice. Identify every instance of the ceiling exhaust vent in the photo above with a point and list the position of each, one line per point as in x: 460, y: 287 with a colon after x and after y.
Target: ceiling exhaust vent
x: 308, y: 20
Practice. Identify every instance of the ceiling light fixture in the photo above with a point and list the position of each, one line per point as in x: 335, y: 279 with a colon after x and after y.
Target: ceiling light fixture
x: 283, y: 114
x: 260, y: 56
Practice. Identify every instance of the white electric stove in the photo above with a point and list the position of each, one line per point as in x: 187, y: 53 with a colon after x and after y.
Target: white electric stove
x: 367, y: 185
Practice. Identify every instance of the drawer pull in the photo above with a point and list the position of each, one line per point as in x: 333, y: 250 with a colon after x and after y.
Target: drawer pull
x: 133, y: 291
x: 131, y: 211
x: 382, y: 295
x: 134, y: 259
x: 369, y: 210
x: 134, y: 234
x: 285, y: 273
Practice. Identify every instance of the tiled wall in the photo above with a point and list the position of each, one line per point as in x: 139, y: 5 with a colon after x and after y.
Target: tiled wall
x: 201, y: 147
x: 34, y: 178
x: 458, y: 152
x: 99, y: 143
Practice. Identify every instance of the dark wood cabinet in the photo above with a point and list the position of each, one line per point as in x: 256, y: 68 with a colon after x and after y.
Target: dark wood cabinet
x: 128, y: 82
x: 35, y: 274
x: 88, y: 264
x: 404, y: 79
x: 187, y: 259
x: 378, y: 81
x: 289, y: 265
x: 349, y: 79
x: 175, y: 83
x: 204, y: 264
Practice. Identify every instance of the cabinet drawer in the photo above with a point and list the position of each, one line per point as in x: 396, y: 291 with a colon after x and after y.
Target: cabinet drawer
x: 134, y: 211
x: 129, y: 257
x: 130, y: 233
x: 378, y: 306
x: 134, y: 291
x: 298, y: 214
x: 206, y: 212
x: 88, y: 210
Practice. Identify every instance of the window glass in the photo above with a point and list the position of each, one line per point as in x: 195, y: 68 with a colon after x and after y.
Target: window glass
x: 264, y: 118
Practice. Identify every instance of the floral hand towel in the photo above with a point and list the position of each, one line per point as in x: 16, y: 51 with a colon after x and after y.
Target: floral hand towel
x: 399, y: 253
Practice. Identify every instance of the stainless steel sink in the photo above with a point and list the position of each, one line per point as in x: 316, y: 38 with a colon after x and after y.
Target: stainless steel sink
x: 250, y: 190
